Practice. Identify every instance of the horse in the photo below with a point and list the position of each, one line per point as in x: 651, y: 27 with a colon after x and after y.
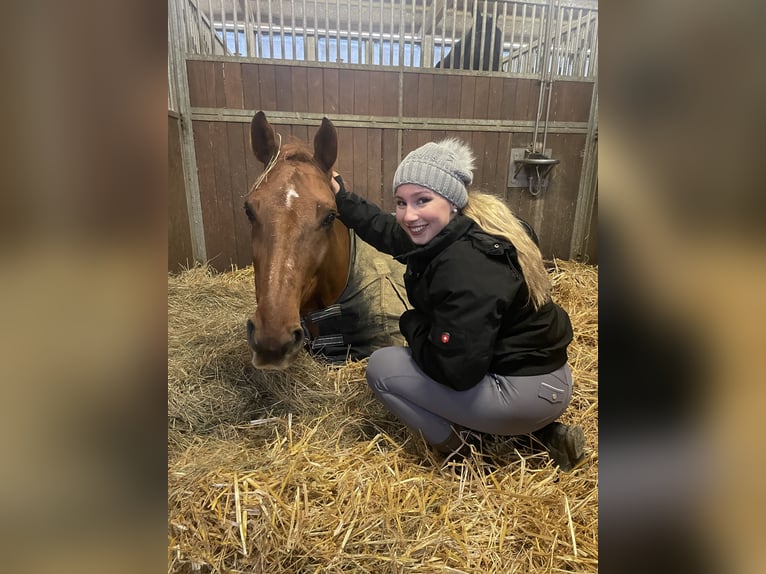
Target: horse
x: 460, y: 54
x: 315, y: 284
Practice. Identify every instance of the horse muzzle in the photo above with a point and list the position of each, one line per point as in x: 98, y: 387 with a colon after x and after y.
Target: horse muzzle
x: 275, y: 351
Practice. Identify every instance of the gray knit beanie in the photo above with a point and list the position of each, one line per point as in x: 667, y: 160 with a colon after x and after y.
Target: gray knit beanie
x: 445, y: 167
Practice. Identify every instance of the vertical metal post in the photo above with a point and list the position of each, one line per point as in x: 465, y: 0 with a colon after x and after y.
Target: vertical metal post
x: 188, y: 154
x: 586, y: 193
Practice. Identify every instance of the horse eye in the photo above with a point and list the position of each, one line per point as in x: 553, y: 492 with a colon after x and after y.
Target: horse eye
x: 327, y: 222
x: 249, y: 213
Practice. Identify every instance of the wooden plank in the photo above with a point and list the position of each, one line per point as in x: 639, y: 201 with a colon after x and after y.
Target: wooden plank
x: 454, y: 85
x: 527, y: 94
x: 284, y: 88
x: 374, y: 165
x: 361, y: 104
x: 235, y: 139
x: 467, y: 97
x: 440, y: 96
x: 410, y: 95
x: 561, y: 195
x: 360, y: 161
x: 304, y: 134
x: 495, y: 98
x: 267, y: 86
x: 315, y: 89
x: 218, y: 85
x: 203, y: 149
x: 570, y: 101
x: 200, y: 79
x: 233, y: 85
x: 390, y: 82
x: 376, y: 97
x: 346, y: 93
x: 425, y: 96
x: 345, y: 162
x: 251, y: 93
x: 489, y: 165
x: 299, y: 89
x: 508, y: 99
x: 481, y: 98
x: 219, y: 237
x: 331, y: 89
x: 389, y: 165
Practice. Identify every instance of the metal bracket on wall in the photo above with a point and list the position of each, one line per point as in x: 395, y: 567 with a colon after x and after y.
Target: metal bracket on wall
x: 524, y: 165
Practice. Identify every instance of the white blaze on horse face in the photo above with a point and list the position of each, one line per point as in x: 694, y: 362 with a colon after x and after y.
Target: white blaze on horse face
x: 291, y: 193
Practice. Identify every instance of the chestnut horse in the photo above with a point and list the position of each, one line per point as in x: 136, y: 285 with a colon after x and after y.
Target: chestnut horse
x: 304, y: 258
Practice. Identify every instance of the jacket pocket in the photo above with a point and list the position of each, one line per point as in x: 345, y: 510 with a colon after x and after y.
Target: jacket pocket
x: 550, y: 393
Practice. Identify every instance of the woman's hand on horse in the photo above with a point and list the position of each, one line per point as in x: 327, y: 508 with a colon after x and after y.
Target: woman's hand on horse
x: 336, y: 186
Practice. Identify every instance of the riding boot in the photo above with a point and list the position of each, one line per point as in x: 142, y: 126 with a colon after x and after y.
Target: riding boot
x: 565, y: 444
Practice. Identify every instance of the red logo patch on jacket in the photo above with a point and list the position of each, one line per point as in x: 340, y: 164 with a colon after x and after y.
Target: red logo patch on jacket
x: 445, y: 337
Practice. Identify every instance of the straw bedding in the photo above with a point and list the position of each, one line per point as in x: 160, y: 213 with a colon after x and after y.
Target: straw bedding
x: 303, y: 471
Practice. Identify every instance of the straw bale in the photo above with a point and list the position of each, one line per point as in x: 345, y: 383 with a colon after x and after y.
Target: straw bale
x: 303, y: 470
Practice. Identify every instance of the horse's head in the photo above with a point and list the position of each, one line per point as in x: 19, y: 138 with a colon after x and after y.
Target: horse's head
x: 300, y: 249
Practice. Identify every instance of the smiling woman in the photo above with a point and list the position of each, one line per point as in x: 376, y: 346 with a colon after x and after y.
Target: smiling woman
x: 487, y: 346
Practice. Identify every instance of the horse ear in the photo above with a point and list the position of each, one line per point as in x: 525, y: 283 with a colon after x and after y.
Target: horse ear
x: 262, y: 139
x: 326, y: 145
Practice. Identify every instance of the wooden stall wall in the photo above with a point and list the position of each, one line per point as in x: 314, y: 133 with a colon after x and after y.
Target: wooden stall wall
x: 493, y: 114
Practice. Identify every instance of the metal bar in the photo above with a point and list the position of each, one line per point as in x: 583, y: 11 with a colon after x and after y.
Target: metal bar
x: 475, y: 25
x: 594, y: 51
x: 412, y: 37
x: 568, y: 52
x: 283, y: 55
x: 433, y: 35
x: 258, y: 32
x: 316, y: 32
x: 248, y: 30
x: 380, y: 46
x: 305, y: 20
x: 348, y: 30
x: 559, y: 21
x: 223, y: 28
x: 463, y: 47
x: 293, y: 39
x: 400, y: 59
x: 586, y: 192
x: 587, y: 45
x: 513, y: 40
x: 524, y: 68
x: 326, y: 33
x: 502, y: 40
x: 452, y: 39
x: 360, y: 41
x: 534, y: 61
x: 271, y: 32
x: 337, y: 30
x: 577, y: 51
x: 492, y: 38
x: 199, y: 26
x: 236, y: 27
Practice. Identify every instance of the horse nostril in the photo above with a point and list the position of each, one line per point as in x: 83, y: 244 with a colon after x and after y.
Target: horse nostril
x: 298, y: 336
x: 250, y: 329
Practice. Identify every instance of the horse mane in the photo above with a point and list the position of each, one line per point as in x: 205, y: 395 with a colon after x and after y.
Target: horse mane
x: 296, y: 150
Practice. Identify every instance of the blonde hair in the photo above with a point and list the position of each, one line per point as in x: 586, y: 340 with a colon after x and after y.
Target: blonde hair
x: 496, y: 218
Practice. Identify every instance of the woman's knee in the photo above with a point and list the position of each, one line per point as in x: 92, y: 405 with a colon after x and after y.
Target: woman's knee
x: 381, y: 365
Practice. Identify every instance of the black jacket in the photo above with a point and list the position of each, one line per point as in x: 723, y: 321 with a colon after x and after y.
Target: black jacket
x: 471, y: 311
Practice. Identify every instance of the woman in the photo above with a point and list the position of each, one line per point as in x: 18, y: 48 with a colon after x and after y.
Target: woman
x: 487, y: 346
